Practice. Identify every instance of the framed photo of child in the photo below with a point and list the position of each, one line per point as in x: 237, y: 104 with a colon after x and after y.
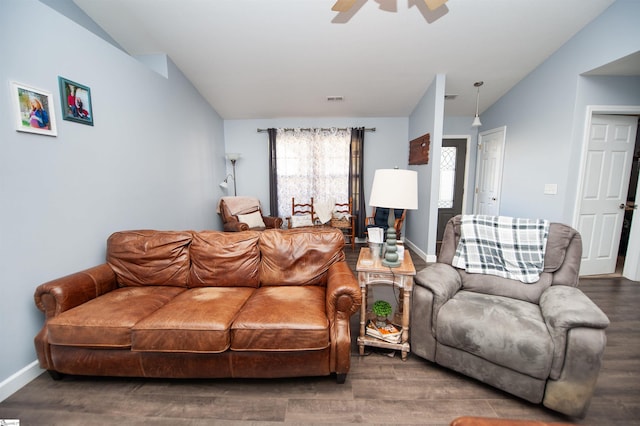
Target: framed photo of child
x: 34, y: 110
x: 76, y: 101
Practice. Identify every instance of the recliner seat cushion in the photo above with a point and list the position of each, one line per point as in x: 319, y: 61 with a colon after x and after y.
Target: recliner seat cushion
x: 196, y: 321
x: 285, y: 318
x: 106, y: 321
x: 507, y: 332
x: 145, y: 257
x: 224, y: 259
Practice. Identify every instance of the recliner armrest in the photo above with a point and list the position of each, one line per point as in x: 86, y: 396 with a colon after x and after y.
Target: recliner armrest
x: 568, y: 307
x: 564, y: 308
x: 441, y: 279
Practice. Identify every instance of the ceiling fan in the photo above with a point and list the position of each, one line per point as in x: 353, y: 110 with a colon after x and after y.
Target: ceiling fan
x: 345, y: 5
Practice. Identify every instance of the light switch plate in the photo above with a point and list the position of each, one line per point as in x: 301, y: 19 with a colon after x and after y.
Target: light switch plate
x: 550, y: 188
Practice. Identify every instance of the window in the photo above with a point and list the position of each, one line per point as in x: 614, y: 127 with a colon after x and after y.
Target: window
x: 312, y: 163
x: 447, y: 176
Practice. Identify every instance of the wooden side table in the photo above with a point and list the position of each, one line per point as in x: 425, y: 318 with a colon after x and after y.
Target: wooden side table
x: 371, y: 271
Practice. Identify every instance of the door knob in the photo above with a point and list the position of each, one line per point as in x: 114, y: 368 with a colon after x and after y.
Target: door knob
x: 621, y: 206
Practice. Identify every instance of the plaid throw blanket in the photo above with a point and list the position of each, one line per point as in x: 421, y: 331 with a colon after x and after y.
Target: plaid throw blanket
x: 503, y: 246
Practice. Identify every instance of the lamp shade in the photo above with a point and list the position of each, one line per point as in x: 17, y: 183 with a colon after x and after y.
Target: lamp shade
x: 395, y: 188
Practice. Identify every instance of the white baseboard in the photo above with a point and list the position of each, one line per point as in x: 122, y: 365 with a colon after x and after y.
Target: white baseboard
x: 424, y: 256
x: 17, y: 380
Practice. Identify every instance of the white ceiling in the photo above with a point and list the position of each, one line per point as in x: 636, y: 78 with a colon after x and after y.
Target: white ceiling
x: 283, y: 58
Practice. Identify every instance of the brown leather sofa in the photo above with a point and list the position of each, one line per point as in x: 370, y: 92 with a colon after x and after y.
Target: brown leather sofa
x: 209, y: 304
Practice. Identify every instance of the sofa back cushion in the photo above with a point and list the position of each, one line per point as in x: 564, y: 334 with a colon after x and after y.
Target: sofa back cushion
x: 299, y: 256
x: 148, y: 257
x: 224, y: 259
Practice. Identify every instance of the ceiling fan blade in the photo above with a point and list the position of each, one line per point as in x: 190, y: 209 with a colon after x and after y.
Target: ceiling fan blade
x: 343, y: 5
x: 434, y: 4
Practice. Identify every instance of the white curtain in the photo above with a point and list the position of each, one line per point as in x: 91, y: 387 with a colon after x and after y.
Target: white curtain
x: 312, y: 163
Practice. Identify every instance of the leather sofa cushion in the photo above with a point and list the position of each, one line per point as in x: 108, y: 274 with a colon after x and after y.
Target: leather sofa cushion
x: 196, y: 321
x: 507, y: 332
x: 224, y: 259
x: 297, y: 257
x: 282, y: 318
x: 150, y: 257
x: 106, y: 321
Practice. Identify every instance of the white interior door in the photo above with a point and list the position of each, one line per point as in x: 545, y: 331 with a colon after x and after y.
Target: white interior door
x: 489, y: 172
x: 605, y: 182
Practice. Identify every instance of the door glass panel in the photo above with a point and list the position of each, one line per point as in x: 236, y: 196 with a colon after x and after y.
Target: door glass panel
x: 447, y: 176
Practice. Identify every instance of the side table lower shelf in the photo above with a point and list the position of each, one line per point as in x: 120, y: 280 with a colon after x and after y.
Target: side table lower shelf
x: 372, y: 341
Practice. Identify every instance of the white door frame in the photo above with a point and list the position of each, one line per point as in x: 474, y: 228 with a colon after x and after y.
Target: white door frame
x: 631, y: 269
x: 502, y: 129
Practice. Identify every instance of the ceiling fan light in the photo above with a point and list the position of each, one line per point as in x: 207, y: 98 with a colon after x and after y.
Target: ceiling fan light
x: 343, y: 5
x: 434, y: 4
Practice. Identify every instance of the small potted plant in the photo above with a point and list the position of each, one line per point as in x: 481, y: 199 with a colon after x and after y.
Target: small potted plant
x: 382, y: 309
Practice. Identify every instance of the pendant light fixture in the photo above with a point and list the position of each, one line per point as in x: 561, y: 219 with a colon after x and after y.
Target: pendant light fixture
x: 476, y: 120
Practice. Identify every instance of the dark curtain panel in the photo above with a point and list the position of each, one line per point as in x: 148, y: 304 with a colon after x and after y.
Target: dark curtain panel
x: 356, y: 176
x: 273, y: 175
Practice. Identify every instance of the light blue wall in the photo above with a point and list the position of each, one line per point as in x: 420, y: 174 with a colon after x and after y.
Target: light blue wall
x: 427, y: 117
x: 545, y: 114
x: 152, y: 160
x: 385, y: 148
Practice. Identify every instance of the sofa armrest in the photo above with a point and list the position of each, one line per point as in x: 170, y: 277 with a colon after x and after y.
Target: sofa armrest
x: 343, y: 299
x: 62, y: 294
x: 564, y: 308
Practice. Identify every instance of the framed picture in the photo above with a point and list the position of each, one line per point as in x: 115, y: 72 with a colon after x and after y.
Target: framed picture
x: 76, y: 101
x: 34, y: 110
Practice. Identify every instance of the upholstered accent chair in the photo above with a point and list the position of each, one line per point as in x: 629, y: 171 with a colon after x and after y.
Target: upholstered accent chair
x: 380, y: 219
x: 244, y: 213
x: 542, y: 342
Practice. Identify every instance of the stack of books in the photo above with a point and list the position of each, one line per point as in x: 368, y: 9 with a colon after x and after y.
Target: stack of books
x: 389, y: 333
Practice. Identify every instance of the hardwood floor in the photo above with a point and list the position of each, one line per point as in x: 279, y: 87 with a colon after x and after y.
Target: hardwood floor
x: 379, y: 389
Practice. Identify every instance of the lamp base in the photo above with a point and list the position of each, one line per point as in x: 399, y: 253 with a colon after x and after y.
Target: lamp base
x: 395, y: 264
x: 391, y: 258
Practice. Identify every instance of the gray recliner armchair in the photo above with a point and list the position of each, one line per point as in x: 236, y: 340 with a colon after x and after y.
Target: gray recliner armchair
x: 542, y: 342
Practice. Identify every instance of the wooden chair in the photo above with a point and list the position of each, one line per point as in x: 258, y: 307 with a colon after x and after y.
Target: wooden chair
x: 302, y: 214
x: 380, y: 219
x: 345, y: 221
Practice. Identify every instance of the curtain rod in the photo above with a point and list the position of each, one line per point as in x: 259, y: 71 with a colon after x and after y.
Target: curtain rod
x: 372, y: 129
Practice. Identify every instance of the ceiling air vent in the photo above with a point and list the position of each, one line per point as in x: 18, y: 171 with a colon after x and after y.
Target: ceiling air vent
x: 335, y: 98
x: 449, y: 97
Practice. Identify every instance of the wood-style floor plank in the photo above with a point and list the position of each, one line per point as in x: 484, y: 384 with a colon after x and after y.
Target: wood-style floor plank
x: 379, y: 389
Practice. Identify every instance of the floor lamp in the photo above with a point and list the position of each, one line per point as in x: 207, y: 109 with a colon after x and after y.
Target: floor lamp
x: 233, y: 157
x: 394, y: 189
